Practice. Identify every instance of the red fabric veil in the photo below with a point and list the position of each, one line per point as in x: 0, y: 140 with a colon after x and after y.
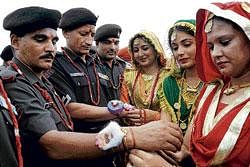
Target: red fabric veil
x: 203, y: 148
x: 239, y: 12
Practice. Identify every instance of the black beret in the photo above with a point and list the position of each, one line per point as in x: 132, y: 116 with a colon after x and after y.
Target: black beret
x: 29, y: 19
x: 77, y: 17
x: 107, y: 31
x: 7, y: 53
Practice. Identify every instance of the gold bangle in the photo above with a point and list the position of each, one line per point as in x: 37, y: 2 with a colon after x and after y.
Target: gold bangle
x: 133, y: 137
x: 124, y: 140
x: 145, y: 116
x: 142, y: 116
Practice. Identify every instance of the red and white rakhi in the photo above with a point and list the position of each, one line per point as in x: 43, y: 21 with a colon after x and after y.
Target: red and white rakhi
x: 238, y: 12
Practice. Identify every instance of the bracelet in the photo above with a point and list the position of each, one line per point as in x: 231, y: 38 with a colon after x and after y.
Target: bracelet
x: 140, y: 113
x: 133, y: 137
x: 124, y: 140
x: 143, y: 116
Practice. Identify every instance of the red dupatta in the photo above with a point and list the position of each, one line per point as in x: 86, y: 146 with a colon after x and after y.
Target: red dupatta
x: 239, y: 12
x: 205, y: 146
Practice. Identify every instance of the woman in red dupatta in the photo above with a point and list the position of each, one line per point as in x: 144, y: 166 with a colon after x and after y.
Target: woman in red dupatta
x: 220, y: 131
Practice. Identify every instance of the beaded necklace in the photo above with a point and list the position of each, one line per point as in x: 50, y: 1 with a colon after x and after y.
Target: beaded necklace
x: 48, y: 98
x: 97, y: 101
x: 151, y: 95
x: 120, y: 78
x: 15, y: 124
x: 68, y: 123
x: 183, y: 123
x: 118, y: 84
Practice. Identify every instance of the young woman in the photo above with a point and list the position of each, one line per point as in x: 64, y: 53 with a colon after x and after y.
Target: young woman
x: 142, y: 81
x: 181, y: 88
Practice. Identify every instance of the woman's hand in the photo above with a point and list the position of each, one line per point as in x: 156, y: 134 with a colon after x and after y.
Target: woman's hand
x: 150, y: 115
x: 177, y: 156
x: 139, y: 117
x: 139, y: 158
x: 132, y: 116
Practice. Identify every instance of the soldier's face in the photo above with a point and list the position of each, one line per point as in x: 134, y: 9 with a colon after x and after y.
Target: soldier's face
x: 108, y: 48
x: 80, y: 40
x: 37, y: 49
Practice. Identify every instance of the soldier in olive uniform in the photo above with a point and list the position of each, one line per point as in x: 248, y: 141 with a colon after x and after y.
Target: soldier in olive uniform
x: 107, y: 47
x: 44, y: 121
x: 78, y: 76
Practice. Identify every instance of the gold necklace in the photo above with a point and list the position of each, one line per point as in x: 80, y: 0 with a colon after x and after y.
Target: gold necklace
x: 149, y: 99
x: 147, y: 77
x: 183, y: 123
x: 193, y: 88
x: 232, y: 89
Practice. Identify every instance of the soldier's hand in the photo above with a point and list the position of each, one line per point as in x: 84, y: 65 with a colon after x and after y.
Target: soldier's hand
x: 158, y: 135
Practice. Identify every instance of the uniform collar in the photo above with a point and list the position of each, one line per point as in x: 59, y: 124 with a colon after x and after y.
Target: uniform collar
x: 28, y: 73
x: 76, y: 58
x: 114, y: 62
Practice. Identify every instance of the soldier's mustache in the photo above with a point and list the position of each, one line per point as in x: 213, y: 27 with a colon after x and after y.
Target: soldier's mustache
x: 48, y: 56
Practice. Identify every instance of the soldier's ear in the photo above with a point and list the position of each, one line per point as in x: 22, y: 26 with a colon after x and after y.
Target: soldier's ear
x: 15, y: 41
x: 66, y: 34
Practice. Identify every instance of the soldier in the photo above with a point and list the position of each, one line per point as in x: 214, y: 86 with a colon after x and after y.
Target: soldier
x: 107, y: 46
x: 44, y: 121
x: 78, y: 76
